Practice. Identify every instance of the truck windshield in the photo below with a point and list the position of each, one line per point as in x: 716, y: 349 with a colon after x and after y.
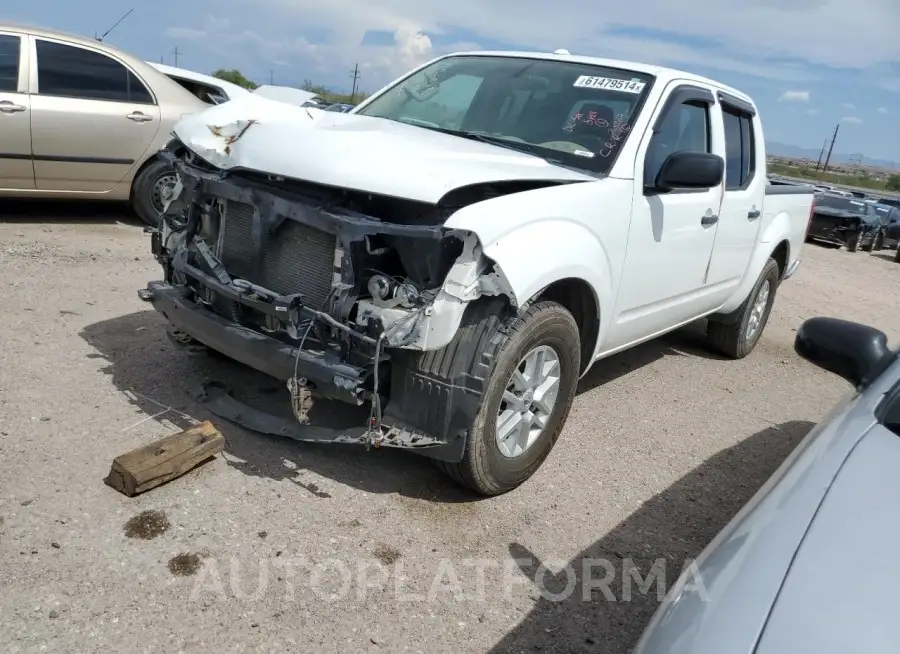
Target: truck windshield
x: 572, y: 114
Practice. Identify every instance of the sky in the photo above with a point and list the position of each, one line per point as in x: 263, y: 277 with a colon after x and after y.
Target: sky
x: 809, y: 64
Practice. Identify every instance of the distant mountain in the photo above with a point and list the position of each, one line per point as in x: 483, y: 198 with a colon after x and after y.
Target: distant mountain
x: 795, y: 152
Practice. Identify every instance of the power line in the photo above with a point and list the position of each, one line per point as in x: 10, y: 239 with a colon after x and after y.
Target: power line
x: 355, y: 77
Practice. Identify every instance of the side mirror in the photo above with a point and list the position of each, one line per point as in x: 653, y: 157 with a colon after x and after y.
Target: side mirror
x: 690, y: 170
x: 855, y: 352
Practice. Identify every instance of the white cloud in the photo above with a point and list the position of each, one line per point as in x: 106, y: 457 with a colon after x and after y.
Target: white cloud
x: 777, y: 40
x: 882, y: 110
x: 851, y: 120
x: 848, y: 105
x: 794, y: 96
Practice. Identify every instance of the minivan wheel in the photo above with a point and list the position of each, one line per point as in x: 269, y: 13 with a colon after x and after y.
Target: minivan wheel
x: 525, y: 403
x: 150, y: 191
x: 738, y: 339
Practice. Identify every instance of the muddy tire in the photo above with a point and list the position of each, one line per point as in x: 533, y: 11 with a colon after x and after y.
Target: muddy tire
x: 525, y: 403
x: 737, y: 339
x: 148, y: 191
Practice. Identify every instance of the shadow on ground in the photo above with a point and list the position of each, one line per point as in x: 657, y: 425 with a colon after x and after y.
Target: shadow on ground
x: 887, y: 255
x: 88, y: 212
x: 675, y: 525
x: 156, y: 374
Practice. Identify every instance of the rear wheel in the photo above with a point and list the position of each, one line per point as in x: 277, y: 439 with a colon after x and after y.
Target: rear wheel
x: 525, y: 403
x: 151, y: 190
x: 878, y: 242
x: 738, y: 339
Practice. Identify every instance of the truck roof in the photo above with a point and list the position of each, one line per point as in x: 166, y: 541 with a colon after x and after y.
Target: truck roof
x: 662, y: 73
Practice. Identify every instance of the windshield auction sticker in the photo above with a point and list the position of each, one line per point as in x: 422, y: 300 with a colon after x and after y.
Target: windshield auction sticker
x: 610, y: 83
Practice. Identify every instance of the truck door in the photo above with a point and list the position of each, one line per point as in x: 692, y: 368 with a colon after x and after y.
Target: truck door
x: 671, y: 236
x: 16, y: 169
x: 741, y: 214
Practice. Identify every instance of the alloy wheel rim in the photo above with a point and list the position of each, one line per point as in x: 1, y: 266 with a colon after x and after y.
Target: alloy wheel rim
x: 528, y: 401
x: 758, y: 310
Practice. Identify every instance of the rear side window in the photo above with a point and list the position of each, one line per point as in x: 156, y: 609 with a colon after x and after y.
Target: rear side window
x: 71, y: 72
x: 9, y: 63
x: 740, y: 148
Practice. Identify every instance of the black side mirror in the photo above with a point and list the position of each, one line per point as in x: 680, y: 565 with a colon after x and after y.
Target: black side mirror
x: 690, y: 170
x: 855, y: 352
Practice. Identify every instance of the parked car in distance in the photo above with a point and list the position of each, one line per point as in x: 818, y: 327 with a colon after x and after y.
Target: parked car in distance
x: 339, y: 107
x: 508, y: 220
x: 894, y: 202
x: 760, y: 586
x: 846, y: 221
x: 80, y: 119
x: 207, y: 88
x: 889, y: 217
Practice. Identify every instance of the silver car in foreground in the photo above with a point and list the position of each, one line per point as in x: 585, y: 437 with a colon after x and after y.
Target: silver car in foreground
x: 810, y: 563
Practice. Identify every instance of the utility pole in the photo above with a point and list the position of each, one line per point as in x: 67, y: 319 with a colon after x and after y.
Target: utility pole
x: 160, y: 59
x: 355, y: 76
x: 271, y: 77
x: 831, y: 147
x: 821, y: 154
x: 176, y: 53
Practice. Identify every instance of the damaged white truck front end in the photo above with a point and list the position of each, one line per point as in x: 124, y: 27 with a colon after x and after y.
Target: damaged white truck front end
x: 342, y: 293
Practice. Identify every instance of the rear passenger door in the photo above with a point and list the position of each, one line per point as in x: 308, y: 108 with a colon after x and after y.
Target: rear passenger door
x: 16, y: 171
x: 92, y: 118
x: 741, y: 214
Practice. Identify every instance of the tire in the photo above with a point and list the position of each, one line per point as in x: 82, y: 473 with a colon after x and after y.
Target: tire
x: 147, y: 189
x: 877, y: 243
x: 854, y: 240
x: 486, y: 469
x: 733, y: 339
x: 897, y: 254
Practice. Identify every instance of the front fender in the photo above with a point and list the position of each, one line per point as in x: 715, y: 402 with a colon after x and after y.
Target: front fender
x: 537, y: 254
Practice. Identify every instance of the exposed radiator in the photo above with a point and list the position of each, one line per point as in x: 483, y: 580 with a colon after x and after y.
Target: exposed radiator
x: 296, y: 259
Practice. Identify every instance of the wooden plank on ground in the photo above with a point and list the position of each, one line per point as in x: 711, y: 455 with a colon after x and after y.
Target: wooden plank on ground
x: 164, y: 460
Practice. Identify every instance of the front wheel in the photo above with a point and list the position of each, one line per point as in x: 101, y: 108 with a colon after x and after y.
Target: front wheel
x: 854, y: 240
x: 151, y: 190
x: 737, y: 339
x: 525, y: 404
x: 878, y: 242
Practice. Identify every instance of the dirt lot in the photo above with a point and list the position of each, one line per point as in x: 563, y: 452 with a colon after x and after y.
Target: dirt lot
x: 278, y: 545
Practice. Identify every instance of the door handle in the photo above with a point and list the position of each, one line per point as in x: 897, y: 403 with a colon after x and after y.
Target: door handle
x: 139, y: 117
x: 709, y: 219
x: 753, y: 214
x: 8, y: 107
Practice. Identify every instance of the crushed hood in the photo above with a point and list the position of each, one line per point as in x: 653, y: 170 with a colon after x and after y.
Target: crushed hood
x: 352, y: 151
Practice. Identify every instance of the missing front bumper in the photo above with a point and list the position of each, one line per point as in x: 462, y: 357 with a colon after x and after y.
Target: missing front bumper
x: 333, y: 379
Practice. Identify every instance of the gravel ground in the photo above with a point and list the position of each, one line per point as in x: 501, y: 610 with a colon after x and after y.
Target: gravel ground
x: 277, y: 545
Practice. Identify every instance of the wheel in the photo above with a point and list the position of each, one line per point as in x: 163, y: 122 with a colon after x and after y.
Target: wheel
x: 151, y: 188
x: 525, y: 403
x: 854, y: 240
x: 737, y: 339
x: 897, y: 254
x: 877, y: 243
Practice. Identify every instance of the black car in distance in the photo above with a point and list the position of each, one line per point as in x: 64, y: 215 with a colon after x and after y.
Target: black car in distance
x: 846, y: 221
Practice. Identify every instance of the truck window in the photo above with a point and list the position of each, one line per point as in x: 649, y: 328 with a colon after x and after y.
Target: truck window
x: 685, y: 128
x: 72, y: 72
x: 9, y: 63
x: 740, y: 149
x: 576, y: 114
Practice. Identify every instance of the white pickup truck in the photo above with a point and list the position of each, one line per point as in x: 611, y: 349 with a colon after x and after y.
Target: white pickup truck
x: 463, y: 246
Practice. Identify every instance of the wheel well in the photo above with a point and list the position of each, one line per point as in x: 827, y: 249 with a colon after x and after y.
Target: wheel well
x: 578, y: 297
x: 780, y: 254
